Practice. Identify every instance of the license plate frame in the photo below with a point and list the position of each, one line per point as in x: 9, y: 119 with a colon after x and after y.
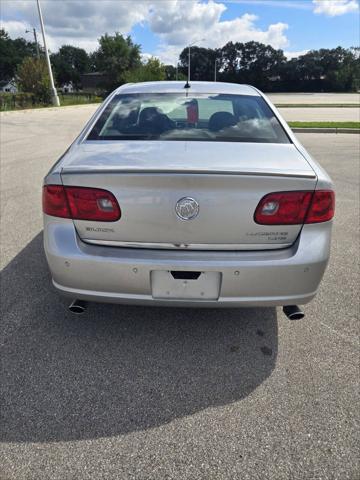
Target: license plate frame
x: 165, y: 286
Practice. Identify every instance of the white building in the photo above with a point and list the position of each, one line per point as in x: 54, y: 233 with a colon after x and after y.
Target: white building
x: 8, y: 86
x: 67, y: 88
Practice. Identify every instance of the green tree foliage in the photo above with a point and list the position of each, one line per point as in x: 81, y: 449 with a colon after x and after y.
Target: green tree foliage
x: 202, y: 63
x: 151, y: 70
x: 173, y: 73
x: 170, y: 72
x: 12, y: 53
x: 69, y: 63
x: 251, y: 62
x: 115, y: 57
x: 118, y: 59
x: 336, y: 69
x: 33, y: 77
x: 259, y: 63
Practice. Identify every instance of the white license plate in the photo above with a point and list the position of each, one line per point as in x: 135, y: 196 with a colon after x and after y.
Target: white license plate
x: 183, y: 285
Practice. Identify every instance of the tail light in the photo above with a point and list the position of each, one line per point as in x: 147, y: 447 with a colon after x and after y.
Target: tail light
x: 322, y: 207
x: 80, y: 203
x: 54, y: 201
x: 294, y: 208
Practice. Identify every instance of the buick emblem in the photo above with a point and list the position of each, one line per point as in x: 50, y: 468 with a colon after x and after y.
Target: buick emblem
x: 187, y: 208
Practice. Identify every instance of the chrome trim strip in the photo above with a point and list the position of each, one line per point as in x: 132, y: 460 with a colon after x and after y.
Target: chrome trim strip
x: 102, y: 169
x: 190, y: 246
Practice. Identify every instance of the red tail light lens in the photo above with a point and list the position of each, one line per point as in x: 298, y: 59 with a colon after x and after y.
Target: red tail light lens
x: 283, y: 208
x: 54, y: 201
x: 92, y: 204
x: 295, y: 208
x: 80, y: 203
x: 322, y: 207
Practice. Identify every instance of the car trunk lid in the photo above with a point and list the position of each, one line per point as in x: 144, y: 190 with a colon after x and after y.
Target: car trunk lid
x: 226, y: 180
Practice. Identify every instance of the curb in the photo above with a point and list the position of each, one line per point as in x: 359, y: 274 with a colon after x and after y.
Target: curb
x: 48, y: 109
x: 319, y: 105
x: 325, y: 130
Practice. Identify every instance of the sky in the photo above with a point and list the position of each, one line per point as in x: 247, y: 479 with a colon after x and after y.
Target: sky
x: 164, y: 27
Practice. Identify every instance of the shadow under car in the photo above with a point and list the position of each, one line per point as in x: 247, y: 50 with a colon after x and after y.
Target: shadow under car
x: 117, y: 368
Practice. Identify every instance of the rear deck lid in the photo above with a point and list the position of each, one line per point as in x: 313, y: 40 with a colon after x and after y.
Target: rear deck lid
x: 150, y: 180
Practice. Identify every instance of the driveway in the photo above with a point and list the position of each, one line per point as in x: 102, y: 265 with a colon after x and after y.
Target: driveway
x: 148, y: 393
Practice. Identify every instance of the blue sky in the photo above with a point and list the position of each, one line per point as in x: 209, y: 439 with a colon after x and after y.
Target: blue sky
x: 164, y: 27
x: 306, y: 29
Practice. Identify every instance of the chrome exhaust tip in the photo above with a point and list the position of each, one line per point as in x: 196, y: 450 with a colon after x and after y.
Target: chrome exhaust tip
x: 78, y: 307
x: 293, y: 312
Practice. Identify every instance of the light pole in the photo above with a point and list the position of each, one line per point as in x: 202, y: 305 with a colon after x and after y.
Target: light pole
x: 189, y: 55
x: 216, y: 66
x: 55, y: 98
x: 36, y: 42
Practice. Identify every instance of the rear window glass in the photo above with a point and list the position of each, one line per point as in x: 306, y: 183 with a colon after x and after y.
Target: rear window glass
x: 212, y: 117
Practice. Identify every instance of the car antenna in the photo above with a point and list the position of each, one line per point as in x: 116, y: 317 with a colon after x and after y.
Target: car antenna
x: 187, y: 84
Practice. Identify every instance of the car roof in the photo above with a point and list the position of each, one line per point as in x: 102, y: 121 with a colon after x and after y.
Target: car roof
x: 195, y: 87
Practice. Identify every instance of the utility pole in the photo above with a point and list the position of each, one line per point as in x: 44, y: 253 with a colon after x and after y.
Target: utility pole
x: 215, y: 70
x: 36, y: 42
x: 55, y: 98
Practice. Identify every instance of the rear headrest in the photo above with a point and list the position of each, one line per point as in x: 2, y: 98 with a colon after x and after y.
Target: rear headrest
x: 153, y: 121
x: 220, y: 120
x: 149, y: 114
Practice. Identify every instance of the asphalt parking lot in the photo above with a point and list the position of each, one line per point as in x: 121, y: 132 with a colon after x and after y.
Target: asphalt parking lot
x: 316, y: 98
x: 148, y: 393
x: 322, y: 114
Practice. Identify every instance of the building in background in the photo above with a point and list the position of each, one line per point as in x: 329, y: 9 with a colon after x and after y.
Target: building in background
x: 8, y: 86
x: 93, y: 82
x: 67, y: 88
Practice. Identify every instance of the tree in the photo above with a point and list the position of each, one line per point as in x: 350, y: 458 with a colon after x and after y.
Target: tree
x: 33, y: 77
x: 115, y: 56
x: 69, y: 63
x: 151, y: 70
x: 340, y: 68
x: 202, y: 63
x: 12, y: 53
x: 172, y: 74
x: 335, y: 69
x: 251, y: 62
x: 259, y: 64
x: 229, y: 61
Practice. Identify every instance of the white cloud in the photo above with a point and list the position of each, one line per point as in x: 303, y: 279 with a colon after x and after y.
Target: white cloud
x: 16, y: 28
x: 146, y: 56
x: 297, y: 4
x: 24, y: 29
x: 180, y: 23
x: 168, y: 54
x: 333, y: 8
x: 290, y: 55
x: 176, y: 23
x: 76, y: 22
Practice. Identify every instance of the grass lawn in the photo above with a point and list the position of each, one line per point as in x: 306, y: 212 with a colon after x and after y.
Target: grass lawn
x: 324, y: 124
x: 73, y: 99
x: 18, y: 102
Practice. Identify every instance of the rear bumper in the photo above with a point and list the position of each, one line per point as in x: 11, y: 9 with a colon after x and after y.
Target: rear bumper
x: 123, y: 275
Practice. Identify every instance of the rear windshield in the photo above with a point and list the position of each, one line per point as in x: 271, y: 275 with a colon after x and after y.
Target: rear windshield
x: 222, y: 118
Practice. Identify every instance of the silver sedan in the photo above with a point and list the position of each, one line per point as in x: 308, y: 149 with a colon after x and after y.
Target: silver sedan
x: 195, y: 196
